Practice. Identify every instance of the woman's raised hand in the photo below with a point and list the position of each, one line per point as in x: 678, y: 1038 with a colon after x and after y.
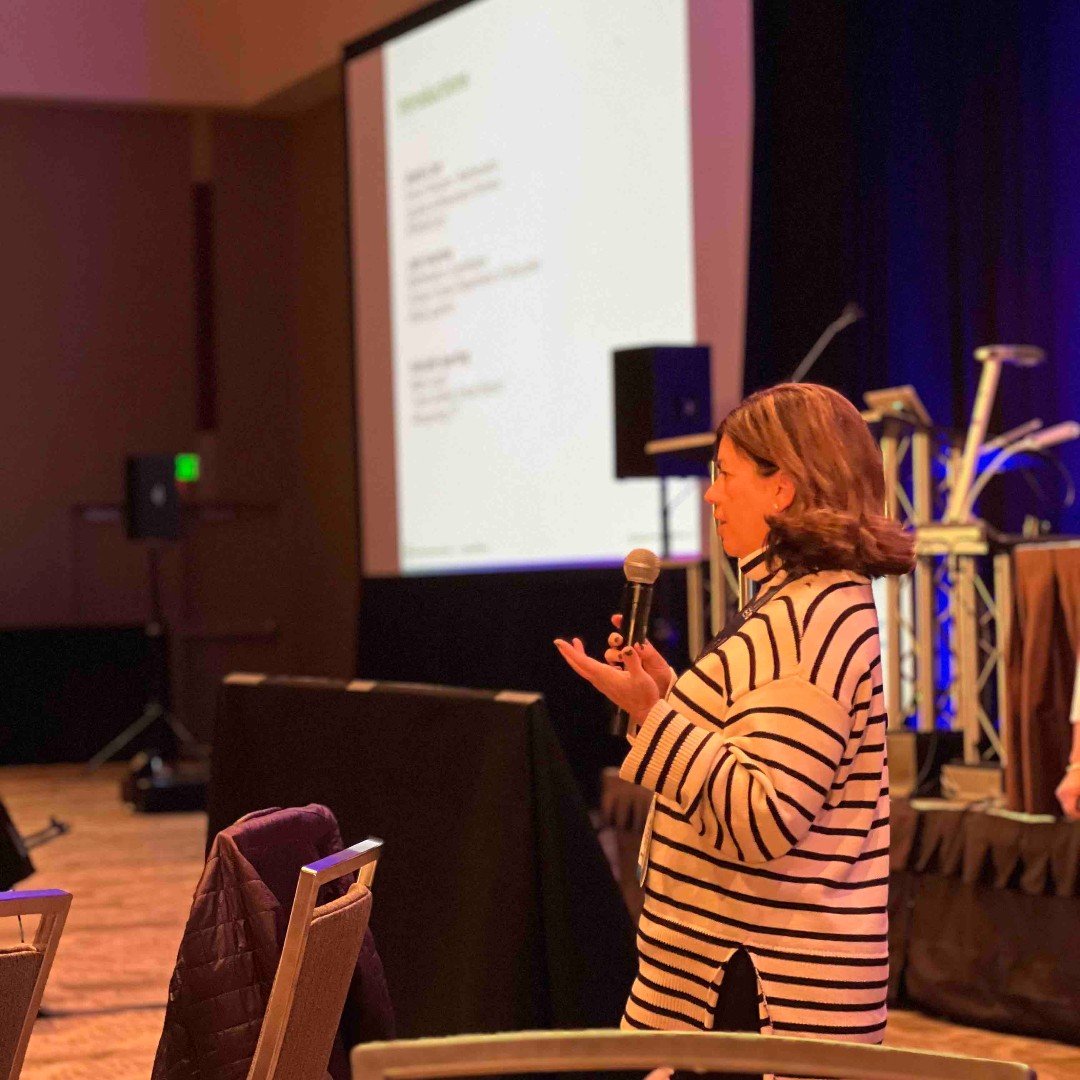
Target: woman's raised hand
x: 651, y: 660
x: 631, y: 688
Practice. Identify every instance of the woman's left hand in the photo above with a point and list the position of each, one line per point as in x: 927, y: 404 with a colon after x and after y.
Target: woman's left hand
x: 632, y: 688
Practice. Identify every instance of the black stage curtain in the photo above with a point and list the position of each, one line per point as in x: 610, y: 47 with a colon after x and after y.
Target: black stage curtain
x: 920, y: 159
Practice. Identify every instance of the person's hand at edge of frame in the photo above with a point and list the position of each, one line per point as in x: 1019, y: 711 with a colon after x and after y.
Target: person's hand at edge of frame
x: 1068, y: 794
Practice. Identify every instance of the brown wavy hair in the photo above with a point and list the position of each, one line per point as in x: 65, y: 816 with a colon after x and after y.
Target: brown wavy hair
x: 836, y: 520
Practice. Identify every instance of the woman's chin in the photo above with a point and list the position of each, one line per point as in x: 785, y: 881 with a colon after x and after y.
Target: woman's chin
x: 735, y: 550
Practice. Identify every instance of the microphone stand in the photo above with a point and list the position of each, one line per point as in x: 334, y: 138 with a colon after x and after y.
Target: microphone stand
x: 852, y: 313
x: 52, y: 831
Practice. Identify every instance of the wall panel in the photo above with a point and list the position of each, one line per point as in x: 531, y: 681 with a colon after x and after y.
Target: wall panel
x: 96, y: 309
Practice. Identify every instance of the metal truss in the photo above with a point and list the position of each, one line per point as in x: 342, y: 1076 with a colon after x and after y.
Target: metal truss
x: 945, y: 628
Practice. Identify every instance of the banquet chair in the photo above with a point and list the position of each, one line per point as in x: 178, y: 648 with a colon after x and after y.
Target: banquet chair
x: 24, y: 970
x: 319, y: 955
x: 624, y: 808
x: 717, y: 1052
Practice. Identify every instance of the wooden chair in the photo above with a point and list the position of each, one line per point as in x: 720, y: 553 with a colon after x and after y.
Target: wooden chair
x: 316, y: 966
x: 562, y: 1051
x: 24, y: 970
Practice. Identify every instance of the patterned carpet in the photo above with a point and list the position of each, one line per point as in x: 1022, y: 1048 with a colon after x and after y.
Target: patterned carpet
x: 132, y: 877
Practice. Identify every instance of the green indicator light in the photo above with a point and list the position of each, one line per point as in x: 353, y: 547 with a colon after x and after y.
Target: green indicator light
x: 187, y: 468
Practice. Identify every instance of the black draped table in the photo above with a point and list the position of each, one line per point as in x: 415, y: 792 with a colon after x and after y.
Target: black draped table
x: 495, y: 908
x: 985, y: 917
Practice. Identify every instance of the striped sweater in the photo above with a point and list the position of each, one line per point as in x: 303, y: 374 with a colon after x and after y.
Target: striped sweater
x: 770, y: 823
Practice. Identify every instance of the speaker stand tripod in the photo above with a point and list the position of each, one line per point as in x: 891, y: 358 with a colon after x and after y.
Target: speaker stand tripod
x: 157, y: 705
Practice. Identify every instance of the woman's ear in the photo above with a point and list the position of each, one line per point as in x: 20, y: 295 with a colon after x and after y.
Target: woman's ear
x: 785, y: 492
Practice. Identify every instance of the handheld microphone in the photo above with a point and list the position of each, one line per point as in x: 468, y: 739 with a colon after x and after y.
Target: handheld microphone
x: 642, y: 568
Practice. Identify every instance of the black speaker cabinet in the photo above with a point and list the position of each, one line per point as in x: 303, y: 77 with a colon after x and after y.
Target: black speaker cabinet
x: 152, y: 505
x: 661, y: 391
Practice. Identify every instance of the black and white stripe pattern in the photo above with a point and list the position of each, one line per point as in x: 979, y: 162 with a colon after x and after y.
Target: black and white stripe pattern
x: 770, y: 827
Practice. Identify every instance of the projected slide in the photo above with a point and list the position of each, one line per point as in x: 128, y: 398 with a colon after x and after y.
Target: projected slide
x: 521, y: 194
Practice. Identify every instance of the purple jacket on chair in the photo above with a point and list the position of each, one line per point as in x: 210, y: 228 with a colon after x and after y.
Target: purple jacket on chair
x: 231, y: 946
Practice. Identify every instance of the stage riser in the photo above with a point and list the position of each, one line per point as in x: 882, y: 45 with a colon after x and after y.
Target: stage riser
x: 917, y: 758
x: 985, y: 916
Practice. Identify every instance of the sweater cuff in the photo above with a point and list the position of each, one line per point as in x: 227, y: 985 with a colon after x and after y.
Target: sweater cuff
x: 665, y: 747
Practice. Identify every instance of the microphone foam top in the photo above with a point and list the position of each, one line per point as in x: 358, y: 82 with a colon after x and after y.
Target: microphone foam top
x: 642, y: 566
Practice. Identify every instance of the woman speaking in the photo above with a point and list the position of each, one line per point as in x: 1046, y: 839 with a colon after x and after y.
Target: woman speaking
x: 765, y: 858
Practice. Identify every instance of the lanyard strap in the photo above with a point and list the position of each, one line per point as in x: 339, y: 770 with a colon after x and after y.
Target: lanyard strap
x: 736, y: 621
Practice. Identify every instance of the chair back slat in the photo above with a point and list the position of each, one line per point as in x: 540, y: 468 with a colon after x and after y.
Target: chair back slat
x: 19, y: 967
x: 24, y: 970
x: 716, y: 1052
x: 317, y: 962
x: 337, y: 932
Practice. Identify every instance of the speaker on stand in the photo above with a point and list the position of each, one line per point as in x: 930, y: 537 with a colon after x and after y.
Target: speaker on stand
x: 152, y: 516
x: 662, y: 393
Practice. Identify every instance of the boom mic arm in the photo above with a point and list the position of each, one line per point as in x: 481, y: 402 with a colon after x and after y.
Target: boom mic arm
x: 999, y: 442
x: 852, y: 313
x: 1037, y: 443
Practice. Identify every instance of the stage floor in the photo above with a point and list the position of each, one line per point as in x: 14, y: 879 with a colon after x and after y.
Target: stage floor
x: 132, y: 877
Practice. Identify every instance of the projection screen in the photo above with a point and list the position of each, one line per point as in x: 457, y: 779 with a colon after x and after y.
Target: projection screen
x: 532, y: 185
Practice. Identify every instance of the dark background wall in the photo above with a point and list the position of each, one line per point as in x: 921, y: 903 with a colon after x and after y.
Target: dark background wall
x: 321, y: 627
x: 97, y: 306
x: 96, y: 322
